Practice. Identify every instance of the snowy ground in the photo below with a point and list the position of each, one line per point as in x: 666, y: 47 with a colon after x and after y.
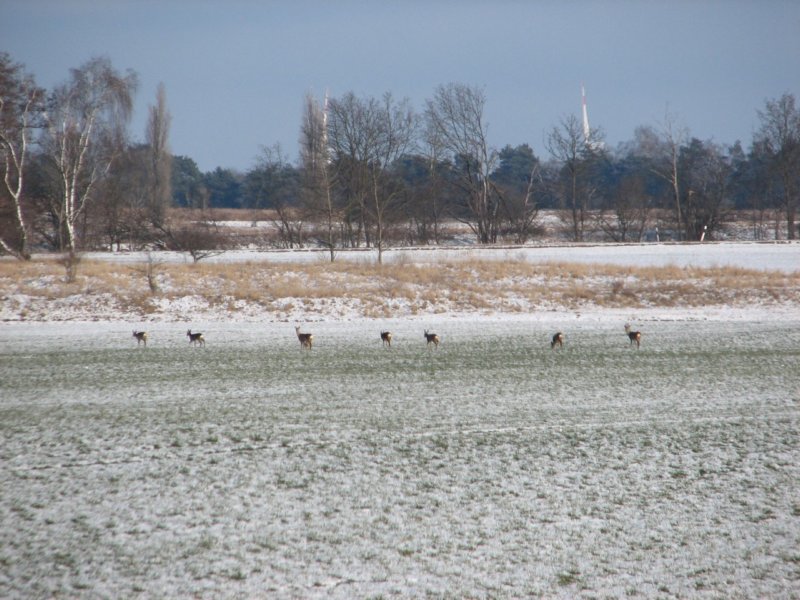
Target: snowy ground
x: 135, y: 305
x: 751, y: 255
x: 491, y: 467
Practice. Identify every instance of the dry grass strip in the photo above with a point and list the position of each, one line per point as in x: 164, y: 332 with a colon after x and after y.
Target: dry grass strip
x: 475, y: 284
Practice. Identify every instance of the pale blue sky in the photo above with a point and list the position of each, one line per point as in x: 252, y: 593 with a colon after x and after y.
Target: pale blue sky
x: 236, y: 71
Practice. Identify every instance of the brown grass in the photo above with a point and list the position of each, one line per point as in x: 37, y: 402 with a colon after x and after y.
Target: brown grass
x: 464, y: 285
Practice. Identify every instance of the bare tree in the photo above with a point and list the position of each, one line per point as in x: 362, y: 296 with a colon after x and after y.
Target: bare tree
x: 85, y: 131
x: 367, y: 137
x: 317, y: 173
x: 431, y: 208
x: 454, y: 117
x: 568, y: 146
x: 631, y: 211
x: 526, y: 213
x: 273, y: 184
x: 780, y: 137
x: 665, y: 153
x: 675, y: 137
x: 352, y: 137
x: 150, y: 270
x: 159, y: 164
x: 758, y: 188
x: 137, y: 192
x: 706, y: 174
x: 200, y: 238
x: 518, y: 178
x: 397, y: 128
x: 20, y: 105
x: 124, y: 216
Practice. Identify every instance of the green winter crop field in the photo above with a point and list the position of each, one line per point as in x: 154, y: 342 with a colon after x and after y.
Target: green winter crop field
x: 490, y: 467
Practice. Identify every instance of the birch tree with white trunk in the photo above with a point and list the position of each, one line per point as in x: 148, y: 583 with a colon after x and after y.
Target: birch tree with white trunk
x: 20, y: 107
x: 86, y: 124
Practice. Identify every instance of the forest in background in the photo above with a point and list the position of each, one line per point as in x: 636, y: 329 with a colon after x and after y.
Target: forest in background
x: 371, y: 172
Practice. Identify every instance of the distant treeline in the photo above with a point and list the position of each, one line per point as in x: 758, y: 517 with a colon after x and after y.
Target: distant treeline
x: 370, y: 171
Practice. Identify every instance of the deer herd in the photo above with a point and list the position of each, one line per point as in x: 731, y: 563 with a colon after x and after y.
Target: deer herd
x: 307, y: 339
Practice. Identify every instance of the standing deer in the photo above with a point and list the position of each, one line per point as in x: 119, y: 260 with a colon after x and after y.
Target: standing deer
x: 633, y: 336
x: 305, y: 338
x: 141, y: 336
x: 386, y: 338
x: 431, y: 338
x: 558, y: 340
x: 196, y: 338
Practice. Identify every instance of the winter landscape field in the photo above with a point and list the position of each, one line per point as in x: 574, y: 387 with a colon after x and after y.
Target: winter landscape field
x: 490, y: 467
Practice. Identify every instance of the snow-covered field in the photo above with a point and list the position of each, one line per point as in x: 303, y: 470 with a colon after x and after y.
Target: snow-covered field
x: 491, y: 467
x: 128, y: 299
x: 750, y: 255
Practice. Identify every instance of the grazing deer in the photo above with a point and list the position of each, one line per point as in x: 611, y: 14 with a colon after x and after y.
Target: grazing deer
x: 196, y: 338
x: 558, y: 340
x: 386, y: 338
x: 431, y: 338
x: 141, y: 336
x: 305, y: 338
x: 633, y: 336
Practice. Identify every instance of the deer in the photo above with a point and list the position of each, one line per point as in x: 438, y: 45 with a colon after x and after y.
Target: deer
x: 141, y: 336
x: 431, y: 338
x: 386, y: 338
x: 558, y: 340
x: 305, y: 338
x: 633, y: 336
x: 196, y: 338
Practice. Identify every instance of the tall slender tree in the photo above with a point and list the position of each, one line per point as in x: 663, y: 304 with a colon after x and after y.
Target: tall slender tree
x: 21, y: 102
x: 568, y: 146
x: 318, y: 176
x: 431, y: 206
x: 397, y: 130
x: 779, y: 136
x: 673, y: 136
x: 159, y: 164
x: 351, y: 136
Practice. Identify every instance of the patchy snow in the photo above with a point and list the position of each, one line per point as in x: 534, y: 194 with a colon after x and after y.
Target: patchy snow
x: 169, y: 306
x: 490, y: 467
x: 783, y: 256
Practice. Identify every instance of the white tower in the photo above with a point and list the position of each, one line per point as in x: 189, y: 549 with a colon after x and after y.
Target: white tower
x: 325, y: 122
x: 587, y: 132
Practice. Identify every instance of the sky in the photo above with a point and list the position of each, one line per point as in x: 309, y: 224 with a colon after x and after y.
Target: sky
x: 236, y: 72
